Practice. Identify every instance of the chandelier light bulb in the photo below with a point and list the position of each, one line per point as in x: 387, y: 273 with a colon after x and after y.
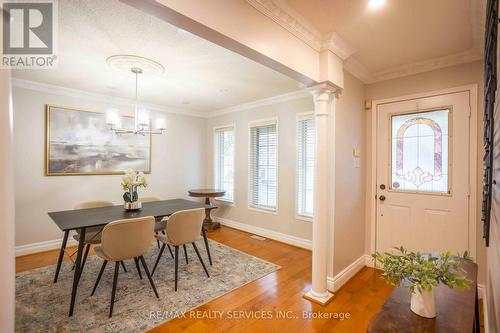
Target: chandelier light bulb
x: 160, y: 124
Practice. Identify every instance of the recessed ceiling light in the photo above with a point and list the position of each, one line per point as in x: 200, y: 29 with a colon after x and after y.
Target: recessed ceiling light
x: 223, y: 90
x: 375, y: 3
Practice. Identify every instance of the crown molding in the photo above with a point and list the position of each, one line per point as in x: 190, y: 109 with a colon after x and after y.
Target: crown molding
x: 262, y: 102
x: 288, y: 19
x: 82, y: 94
x: 428, y: 65
x: 353, y: 66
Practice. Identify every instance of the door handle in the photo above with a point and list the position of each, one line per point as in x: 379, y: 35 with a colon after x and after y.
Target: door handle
x: 382, y: 198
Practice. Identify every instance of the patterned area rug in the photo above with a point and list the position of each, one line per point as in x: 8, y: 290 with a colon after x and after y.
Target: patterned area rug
x: 42, y: 306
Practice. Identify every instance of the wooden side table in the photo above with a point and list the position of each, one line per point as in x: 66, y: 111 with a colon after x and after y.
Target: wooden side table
x: 457, y: 310
x: 208, y: 193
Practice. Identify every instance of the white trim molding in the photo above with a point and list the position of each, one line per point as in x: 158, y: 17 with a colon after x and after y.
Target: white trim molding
x: 336, y: 282
x: 262, y: 102
x: 278, y: 236
x: 428, y: 65
x: 53, y: 244
x: 82, y: 94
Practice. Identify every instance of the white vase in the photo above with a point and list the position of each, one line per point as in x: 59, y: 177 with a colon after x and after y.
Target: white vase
x: 423, y: 303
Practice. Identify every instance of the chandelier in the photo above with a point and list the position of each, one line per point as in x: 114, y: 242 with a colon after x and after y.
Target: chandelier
x: 137, y: 65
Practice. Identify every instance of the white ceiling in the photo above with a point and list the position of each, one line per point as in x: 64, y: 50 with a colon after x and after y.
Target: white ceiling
x: 396, y: 39
x: 200, y: 76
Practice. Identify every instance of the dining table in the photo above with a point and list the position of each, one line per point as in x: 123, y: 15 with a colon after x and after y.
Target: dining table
x: 81, y: 219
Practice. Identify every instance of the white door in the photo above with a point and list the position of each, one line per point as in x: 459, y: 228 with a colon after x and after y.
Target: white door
x: 423, y: 174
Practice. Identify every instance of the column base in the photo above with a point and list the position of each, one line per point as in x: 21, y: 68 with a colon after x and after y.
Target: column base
x: 321, y: 300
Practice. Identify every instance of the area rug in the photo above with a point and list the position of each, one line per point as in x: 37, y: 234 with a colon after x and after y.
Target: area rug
x: 42, y: 306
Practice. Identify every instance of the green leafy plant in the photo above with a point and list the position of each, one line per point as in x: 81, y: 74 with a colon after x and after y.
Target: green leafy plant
x: 422, y: 272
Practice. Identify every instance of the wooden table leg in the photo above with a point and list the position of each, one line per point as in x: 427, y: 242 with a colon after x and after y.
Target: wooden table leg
x: 208, y: 223
x: 61, y: 254
x: 76, y: 276
x: 476, y: 328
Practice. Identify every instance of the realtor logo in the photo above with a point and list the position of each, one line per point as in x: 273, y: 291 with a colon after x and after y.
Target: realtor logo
x: 29, y: 29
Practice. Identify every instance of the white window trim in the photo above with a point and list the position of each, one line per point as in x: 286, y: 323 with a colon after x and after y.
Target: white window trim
x: 214, y: 149
x: 300, y: 116
x: 255, y: 123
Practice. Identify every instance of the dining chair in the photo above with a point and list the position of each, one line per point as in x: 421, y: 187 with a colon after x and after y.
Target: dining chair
x: 92, y: 235
x: 161, y: 223
x: 183, y: 227
x: 121, y: 240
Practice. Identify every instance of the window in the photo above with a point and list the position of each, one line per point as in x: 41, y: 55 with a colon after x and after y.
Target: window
x: 419, y: 161
x: 263, y: 164
x: 306, y: 136
x: 224, y: 162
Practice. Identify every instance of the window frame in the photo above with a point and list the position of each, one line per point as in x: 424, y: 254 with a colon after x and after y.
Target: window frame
x: 299, y: 117
x: 252, y: 124
x: 215, y: 162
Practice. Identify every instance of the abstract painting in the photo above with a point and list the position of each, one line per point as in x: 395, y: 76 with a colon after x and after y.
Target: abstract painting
x: 80, y: 143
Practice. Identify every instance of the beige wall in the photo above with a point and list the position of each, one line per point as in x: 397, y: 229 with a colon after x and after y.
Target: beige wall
x: 178, y: 162
x: 350, y: 181
x: 471, y: 73
x: 284, y: 221
x: 7, y: 268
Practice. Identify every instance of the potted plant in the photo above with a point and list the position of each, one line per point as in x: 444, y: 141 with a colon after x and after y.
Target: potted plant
x: 131, y: 181
x: 420, y: 273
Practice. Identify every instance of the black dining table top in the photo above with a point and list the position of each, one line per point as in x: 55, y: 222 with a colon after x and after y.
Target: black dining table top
x: 92, y: 217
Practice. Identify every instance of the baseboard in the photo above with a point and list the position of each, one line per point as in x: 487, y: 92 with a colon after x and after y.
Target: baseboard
x: 334, y: 283
x: 481, y: 294
x: 281, y: 237
x: 22, y: 250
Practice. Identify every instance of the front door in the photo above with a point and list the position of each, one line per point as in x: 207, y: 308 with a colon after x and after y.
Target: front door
x: 423, y: 173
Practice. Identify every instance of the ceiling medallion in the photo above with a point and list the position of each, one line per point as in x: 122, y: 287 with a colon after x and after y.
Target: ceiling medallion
x: 124, y: 62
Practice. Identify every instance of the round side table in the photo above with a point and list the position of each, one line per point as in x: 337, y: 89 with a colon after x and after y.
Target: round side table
x: 208, y: 193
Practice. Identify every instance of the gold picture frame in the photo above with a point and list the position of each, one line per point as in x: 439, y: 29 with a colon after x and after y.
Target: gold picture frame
x: 67, y: 160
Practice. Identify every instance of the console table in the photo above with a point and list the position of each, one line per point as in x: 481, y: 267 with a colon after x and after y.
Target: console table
x: 457, y: 310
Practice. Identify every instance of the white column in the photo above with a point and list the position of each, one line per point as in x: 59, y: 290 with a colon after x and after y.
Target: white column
x: 324, y: 101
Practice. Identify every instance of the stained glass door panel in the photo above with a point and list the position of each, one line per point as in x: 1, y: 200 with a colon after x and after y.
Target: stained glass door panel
x: 420, y: 151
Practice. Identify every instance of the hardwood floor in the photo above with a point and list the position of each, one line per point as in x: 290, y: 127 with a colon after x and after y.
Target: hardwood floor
x: 277, y: 293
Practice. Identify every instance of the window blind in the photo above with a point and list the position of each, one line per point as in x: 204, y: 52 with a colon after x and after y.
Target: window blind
x: 306, y: 137
x: 263, y: 164
x: 224, y: 162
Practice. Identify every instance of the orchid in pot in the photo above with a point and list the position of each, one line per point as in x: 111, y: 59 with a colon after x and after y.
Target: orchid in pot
x: 420, y: 273
x: 131, y: 181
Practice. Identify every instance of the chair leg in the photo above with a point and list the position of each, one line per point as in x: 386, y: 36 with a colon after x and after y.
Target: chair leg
x: 185, y: 254
x: 158, y: 259
x: 61, y: 255
x: 201, y: 260
x: 113, y: 291
x: 138, y: 268
x: 99, y: 277
x: 176, y: 258
x: 206, y: 245
x: 149, y: 275
x: 85, y: 255
x: 170, y: 250
x: 157, y: 241
x: 123, y: 266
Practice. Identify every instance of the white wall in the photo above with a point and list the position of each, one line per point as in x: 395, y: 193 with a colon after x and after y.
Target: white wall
x: 178, y: 164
